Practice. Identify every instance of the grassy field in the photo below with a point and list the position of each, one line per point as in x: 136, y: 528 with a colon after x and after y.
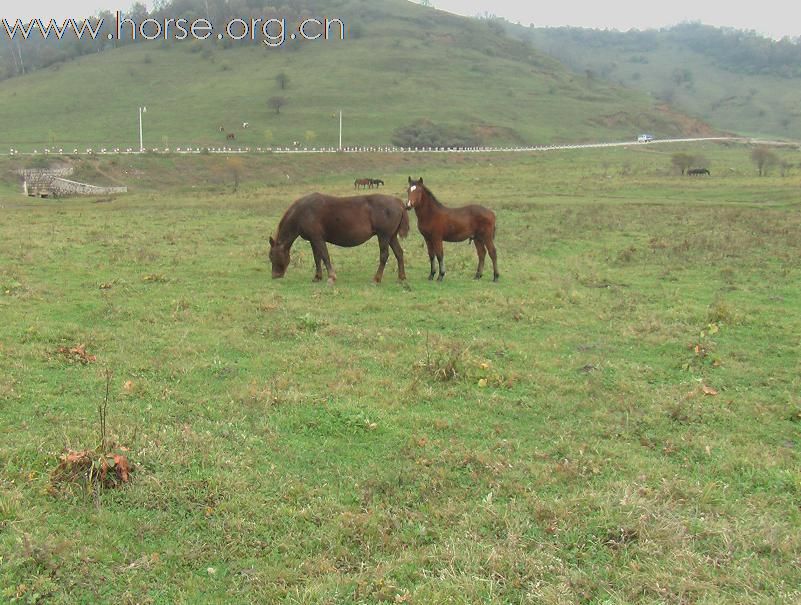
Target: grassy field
x: 615, y: 421
x: 409, y: 63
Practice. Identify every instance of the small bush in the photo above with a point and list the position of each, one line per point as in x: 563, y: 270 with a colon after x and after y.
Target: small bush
x: 424, y: 133
x: 720, y: 312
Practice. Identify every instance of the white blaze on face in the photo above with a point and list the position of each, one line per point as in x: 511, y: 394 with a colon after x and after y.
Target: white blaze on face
x: 412, y: 189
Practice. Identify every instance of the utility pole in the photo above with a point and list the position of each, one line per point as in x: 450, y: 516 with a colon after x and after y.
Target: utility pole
x: 340, y: 130
x: 141, y: 142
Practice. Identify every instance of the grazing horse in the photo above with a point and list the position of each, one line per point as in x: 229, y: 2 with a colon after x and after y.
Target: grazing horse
x: 363, y: 183
x: 697, y: 171
x: 230, y: 136
x: 343, y: 221
x: 438, y: 223
x: 376, y: 183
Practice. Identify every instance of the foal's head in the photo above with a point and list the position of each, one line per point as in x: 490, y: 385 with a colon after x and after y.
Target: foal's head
x: 279, y: 257
x: 414, y: 194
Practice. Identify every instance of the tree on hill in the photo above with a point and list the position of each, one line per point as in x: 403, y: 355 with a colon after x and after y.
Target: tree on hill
x: 682, y: 161
x: 276, y: 103
x: 235, y: 167
x: 764, y: 158
x: 282, y: 79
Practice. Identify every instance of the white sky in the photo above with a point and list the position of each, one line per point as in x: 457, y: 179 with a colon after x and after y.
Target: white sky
x: 774, y: 18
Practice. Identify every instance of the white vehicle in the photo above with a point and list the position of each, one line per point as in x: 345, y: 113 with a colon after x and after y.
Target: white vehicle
x: 645, y: 138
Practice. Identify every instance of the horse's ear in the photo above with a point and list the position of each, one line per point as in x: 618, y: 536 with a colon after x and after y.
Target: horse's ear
x: 421, y: 180
x: 410, y: 180
x: 272, y: 242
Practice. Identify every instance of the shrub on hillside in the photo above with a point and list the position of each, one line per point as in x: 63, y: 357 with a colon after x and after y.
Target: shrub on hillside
x: 424, y: 133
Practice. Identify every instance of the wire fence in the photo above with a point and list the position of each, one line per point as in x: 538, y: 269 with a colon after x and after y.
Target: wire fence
x: 228, y: 150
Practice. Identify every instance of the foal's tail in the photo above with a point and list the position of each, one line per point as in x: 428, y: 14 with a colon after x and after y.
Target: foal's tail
x: 403, y: 230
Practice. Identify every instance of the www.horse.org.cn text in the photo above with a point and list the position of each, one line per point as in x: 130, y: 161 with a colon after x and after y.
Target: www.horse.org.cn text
x: 272, y: 32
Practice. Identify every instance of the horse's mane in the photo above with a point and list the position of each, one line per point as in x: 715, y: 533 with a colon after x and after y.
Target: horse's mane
x: 287, y: 217
x: 433, y: 197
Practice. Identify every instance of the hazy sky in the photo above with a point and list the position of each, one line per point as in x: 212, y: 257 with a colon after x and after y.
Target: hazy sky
x: 770, y: 17
x: 774, y: 18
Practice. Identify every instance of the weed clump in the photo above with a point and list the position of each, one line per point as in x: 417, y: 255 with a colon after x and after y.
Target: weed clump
x: 720, y: 312
x: 92, y: 470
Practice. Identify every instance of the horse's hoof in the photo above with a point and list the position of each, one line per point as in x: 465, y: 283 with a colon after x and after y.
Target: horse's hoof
x: 431, y: 277
x: 332, y: 281
x: 496, y: 277
x: 478, y: 276
x: 317, y: 278
x: 441, y: 277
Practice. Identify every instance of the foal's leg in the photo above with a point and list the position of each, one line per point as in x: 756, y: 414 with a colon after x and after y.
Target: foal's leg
x: 440, y: 258
x: 398, y: 251
x: 481, y: 250
x: 318, y: 273
x: 322, y: 250
x: 383, y: 246
x: 491, y: 249
x: 430, y: 246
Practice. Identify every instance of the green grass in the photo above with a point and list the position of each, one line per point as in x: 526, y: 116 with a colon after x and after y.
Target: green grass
x: 410, y: 63
x: 543, y: 439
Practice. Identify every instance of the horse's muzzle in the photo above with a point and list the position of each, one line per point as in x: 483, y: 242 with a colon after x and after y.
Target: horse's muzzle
x: 408, y: 205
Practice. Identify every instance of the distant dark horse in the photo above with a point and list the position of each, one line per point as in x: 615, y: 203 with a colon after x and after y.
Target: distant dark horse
x: 697, y: 171
x: 231, y: 136
x: 343, y: 221
x: 363, y: 183
x: 376, y: 183
x: 438, y: 223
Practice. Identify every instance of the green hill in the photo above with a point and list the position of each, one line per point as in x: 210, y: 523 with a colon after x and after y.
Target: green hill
x: 400, y: 63
x: 736, y: 81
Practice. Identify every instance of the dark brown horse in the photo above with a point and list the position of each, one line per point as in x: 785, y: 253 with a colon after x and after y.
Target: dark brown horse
x: 343, y: 221
x: 438, y: 223
x: 363, y: 183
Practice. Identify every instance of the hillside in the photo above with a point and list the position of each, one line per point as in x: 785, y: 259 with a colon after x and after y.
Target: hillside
x: 398, y: 64
x: 736, y: 81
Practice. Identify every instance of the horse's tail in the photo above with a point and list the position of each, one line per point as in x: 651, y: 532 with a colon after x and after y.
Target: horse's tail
x: 403, y: 230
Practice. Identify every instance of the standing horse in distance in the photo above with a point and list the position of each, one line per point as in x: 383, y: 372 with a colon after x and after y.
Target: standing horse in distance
x: 363, y: 183
x: 343, y: 221
x: 697, y: 171
x: 376, y: 183
x: 438, y: 223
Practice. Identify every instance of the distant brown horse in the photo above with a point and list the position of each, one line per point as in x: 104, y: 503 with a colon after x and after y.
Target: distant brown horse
x: 363, y: 183
x: 343, y: 221
x: 438, y: 223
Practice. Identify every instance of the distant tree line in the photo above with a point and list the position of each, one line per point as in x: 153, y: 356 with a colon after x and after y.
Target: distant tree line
x: 731, y: 49
x: 741, y: 51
